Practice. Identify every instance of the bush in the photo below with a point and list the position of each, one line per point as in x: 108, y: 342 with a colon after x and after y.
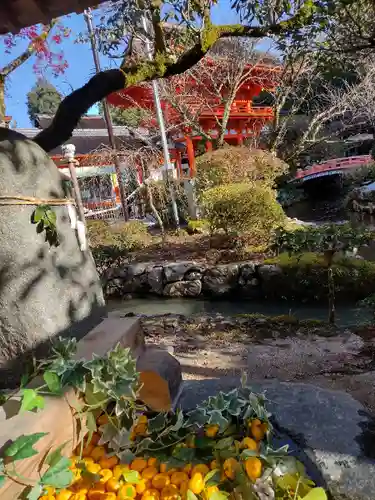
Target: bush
x: 124, y: 237
x: 242, y: 208
x: 233, y: 164
x: 304, y: 277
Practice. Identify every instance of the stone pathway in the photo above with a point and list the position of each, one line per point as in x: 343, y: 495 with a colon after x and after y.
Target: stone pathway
x: 213, y: 347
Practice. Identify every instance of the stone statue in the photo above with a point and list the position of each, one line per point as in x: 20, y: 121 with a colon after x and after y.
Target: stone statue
x: 45, y: 291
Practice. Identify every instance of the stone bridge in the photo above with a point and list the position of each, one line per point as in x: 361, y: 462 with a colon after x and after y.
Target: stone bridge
x: 331, y: 167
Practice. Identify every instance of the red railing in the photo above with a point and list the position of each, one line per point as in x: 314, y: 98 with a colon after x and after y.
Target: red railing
x: 335, y: 164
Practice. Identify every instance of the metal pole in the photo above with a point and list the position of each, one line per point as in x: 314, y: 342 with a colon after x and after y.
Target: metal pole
x: 107, y: 116
x: 163, y: 135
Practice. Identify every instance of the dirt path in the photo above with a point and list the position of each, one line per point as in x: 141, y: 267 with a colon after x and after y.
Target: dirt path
x: 215, y: 347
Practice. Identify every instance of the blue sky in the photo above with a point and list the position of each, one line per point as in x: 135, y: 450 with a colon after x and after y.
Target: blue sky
x: 81, y: 65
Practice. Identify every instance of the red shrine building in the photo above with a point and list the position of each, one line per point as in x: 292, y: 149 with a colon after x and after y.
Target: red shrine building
x: 245, y: 119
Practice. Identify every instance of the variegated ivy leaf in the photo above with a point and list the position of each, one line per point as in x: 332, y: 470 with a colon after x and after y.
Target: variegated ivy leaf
x: 235, y: 407
x: 198, y: 417
x: 217, y: 402
x: 185, y: 455
x: 121, y: 407
x: 108, y: 433
x: 144, y: 445
x: 213, y: 478
x: 179, y: 423
x: 126, y: 456
x: 122, y: 438
x: 157, y: 423
x: 216, y: 418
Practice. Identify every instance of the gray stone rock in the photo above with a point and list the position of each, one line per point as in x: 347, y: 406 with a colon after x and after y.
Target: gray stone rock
x: 176, y: 271
x: 44, y: 292
x: 247, y: 271
x: 330, y: 429
x: 268, y: 271
x: 155, y: 279
x: 221, y: 280
x: 136, y: 269
x: 183, y: 289
x: 193, y: 275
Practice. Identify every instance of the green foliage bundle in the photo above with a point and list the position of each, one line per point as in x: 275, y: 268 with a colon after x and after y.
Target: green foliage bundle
x: 43, y: 99
x: 249, y: 208
x: 359, y: 176
x: 233, y: 164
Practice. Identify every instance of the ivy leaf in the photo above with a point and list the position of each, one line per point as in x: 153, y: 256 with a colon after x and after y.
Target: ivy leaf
x: 55, y: 456
x: 31, y: 400
x: 35, y: 492
x: 191, y: 496
x: 22, y: 447
x: 58, y: 476
x: 217, y: 418
x: 38, y: 214
x: 53, y: 382
x: 212, y: 478
x: 126, y: 456
x: 219, y: 495
x: 144, y: 445
x: 131, y: 476
x: 180, y: 421
x: 184, y: 454
x: 316, y: 494
x: 157, y: 423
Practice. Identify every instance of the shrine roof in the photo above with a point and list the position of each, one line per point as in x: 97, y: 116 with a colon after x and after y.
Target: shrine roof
x: 18, y: 14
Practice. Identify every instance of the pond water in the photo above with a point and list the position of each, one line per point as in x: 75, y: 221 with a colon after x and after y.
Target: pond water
x: 347, y: 315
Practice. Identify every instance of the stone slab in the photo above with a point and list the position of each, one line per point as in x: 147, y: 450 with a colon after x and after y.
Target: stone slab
x: 332, y: 429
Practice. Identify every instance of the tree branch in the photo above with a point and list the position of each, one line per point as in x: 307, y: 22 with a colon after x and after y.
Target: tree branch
x: 74, y: 106
x: 9, y: 68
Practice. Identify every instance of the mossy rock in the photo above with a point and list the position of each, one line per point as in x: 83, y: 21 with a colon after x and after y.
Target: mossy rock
x: 304, y: 278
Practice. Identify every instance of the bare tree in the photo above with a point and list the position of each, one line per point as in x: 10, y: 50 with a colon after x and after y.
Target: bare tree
x: 211, y: 87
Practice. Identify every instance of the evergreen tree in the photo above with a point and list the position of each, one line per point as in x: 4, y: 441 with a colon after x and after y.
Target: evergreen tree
x: 43, y: 99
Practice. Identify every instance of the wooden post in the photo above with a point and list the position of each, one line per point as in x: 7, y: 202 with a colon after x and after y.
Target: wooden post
x: 68, y: 152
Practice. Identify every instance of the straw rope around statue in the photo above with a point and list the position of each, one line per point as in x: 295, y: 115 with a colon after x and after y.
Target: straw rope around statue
x: 43, y: 216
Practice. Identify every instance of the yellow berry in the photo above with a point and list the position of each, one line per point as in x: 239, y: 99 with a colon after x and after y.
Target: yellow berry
x: 202, y: 468
x: 106, y: 475
x: 152, y: 462
x: 64, y: 495
x: 214, y: 465
x: 127, y: 490
x: 212, y: 430
x: 151, y: 494
x: 160, y: 481
x: 93, y: 468
x: 249, y: 443
x: 170, y: 492
x: 118, y: 470
x: 138, y: 464
x: 108, y: 462
x: 196, y: 483
x: 178, y: 478
x: 149, y: 472
x: 97, y: 453
x: 253, y: 468
x: 230, y: 466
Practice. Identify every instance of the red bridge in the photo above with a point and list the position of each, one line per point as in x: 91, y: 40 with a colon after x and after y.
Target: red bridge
x: 331, y: 167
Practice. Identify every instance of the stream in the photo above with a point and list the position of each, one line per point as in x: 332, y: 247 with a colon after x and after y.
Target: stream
x: 316, y: 211
x: 346, y: 315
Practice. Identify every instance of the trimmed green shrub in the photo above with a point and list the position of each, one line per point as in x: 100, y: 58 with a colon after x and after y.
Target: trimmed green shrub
x: 242, y: 208
x: 234, y: 164
x: 304, y: 277
x: 124, y: 237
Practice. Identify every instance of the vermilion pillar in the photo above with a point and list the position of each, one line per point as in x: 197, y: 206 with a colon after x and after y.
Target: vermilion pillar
x: 208, y: 146
x: 190, y: 155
